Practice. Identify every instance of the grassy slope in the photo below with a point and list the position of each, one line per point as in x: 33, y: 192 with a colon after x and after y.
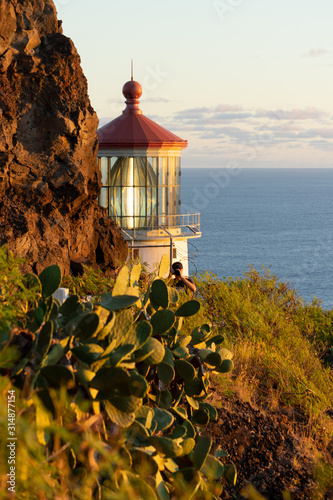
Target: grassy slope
x: 283, y: 358
x: 278, y: 342
x: 280, y: 345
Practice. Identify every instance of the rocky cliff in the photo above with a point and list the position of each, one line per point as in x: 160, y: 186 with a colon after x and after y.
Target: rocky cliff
x: 49, y: 179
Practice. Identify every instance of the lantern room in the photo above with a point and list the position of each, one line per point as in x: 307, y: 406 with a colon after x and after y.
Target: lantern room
x: 140, y: 165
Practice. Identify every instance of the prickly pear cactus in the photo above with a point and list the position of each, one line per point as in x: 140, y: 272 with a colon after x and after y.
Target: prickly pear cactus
x: 126, y: 364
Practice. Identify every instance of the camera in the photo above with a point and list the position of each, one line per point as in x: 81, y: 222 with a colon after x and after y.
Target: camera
x: 176, y: 269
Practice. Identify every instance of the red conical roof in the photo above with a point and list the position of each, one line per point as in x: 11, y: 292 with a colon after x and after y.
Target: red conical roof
x: 134, y: 130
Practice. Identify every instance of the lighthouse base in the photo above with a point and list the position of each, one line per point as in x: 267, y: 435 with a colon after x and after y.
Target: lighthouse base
x: 150, y: 253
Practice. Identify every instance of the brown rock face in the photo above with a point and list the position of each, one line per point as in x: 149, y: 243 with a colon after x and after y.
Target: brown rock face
x: 49, y: 180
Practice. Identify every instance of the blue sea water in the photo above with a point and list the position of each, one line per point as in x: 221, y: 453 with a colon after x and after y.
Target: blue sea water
x: 281, y: 219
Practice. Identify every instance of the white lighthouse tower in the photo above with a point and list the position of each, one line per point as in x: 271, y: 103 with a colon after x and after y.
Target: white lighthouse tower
x: 140, y: 165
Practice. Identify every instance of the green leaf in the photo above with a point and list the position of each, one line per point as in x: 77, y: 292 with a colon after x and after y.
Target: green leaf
x: 188, y: 444
x: 185, y: 369
x: 230, y: 474
x: 188, y: 479
x: 193, y: 387
x: 164, y: 266
x: 121, y: 327
x: 88, y: 353
x: 179, y: 431
x: 168, y: 357
x: 181, y: 412
x: 164, y: 399
x: 121, y: 284
x: 70, y: 305
x: 106, y: 322
x: 161, y: 488
x: 210, y: 409
x: 181, y: 352
x: 138, y: 386
x: 200, y: 417
x: 111, y: 380
x: 159, y: 293
x: 189, y: 308
x: 50, y: 279
x: 118, y: 302
x: 118, y: 417
x: 203, y: 353
x: 162, y: 321
x: 121, y: 353
x: 225, y: 353
x: 137, y: 486
x: 145, y: 416
x: 139, y: 335
x: 170, y: 448
x: 57, y: 375
x: 56, y: 353
x: 219, y: 453
x: 225, y: 367
x: 201, y: 451
x: 184, y: 341
x: 213, y: 359
x: 173, y: 295
x: 165, y: 373
x: 191, y: 433
x: 127, y: 404
x: 217, y: 339
x: 192, y: 402
x: 135, y: 274
x: 39, y: 315
x: 87, y: 326
x: 212, y: 468
x: 152, y: 352
x: 198, y: 337
x: 163, y: 418
x: 84, y: 377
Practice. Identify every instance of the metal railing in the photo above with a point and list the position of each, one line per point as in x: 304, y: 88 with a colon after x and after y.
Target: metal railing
x: 187, y: 224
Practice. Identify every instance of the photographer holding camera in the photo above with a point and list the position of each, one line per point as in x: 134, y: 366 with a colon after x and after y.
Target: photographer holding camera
x: 182, y: 282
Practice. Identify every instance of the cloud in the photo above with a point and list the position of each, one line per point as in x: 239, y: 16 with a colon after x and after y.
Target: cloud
x: 316, y: 53
x: 233, y: 130
x: 156, y: 99
x: 223, y: 132
x: 223, y: 108
x: 325, y: 133
x: 309, y: 113
x: 322, y: 144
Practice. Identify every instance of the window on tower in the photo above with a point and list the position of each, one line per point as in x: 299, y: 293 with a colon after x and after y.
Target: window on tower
x: 141, y: 192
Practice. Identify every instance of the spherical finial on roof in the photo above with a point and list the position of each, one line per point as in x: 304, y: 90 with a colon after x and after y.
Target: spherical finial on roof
x: 132, y: 90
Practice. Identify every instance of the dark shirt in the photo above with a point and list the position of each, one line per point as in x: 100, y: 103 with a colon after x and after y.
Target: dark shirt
x: 180, y: 284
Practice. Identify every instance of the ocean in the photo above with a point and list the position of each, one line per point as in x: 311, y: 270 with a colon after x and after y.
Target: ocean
x: 281, y: 219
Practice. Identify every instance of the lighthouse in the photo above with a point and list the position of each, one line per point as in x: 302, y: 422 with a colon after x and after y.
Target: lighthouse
x: 140, y: 163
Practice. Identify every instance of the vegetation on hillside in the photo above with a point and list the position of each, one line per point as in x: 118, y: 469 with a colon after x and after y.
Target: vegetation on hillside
x: 113, y: 393
x: 108, y: 399
x: 282, y: 345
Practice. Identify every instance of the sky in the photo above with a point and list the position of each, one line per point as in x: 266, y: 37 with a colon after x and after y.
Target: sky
x: 247, y: 82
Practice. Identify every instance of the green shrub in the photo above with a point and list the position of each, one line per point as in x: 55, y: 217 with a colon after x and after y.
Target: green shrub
x: 92, y: 282
x: 277, y: 339
x: 18, y: 292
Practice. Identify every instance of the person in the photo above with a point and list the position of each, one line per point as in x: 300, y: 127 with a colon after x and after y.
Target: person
x: 182, y: 281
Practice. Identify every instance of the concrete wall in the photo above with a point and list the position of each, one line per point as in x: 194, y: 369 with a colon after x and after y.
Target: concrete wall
x: 151, y: 252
